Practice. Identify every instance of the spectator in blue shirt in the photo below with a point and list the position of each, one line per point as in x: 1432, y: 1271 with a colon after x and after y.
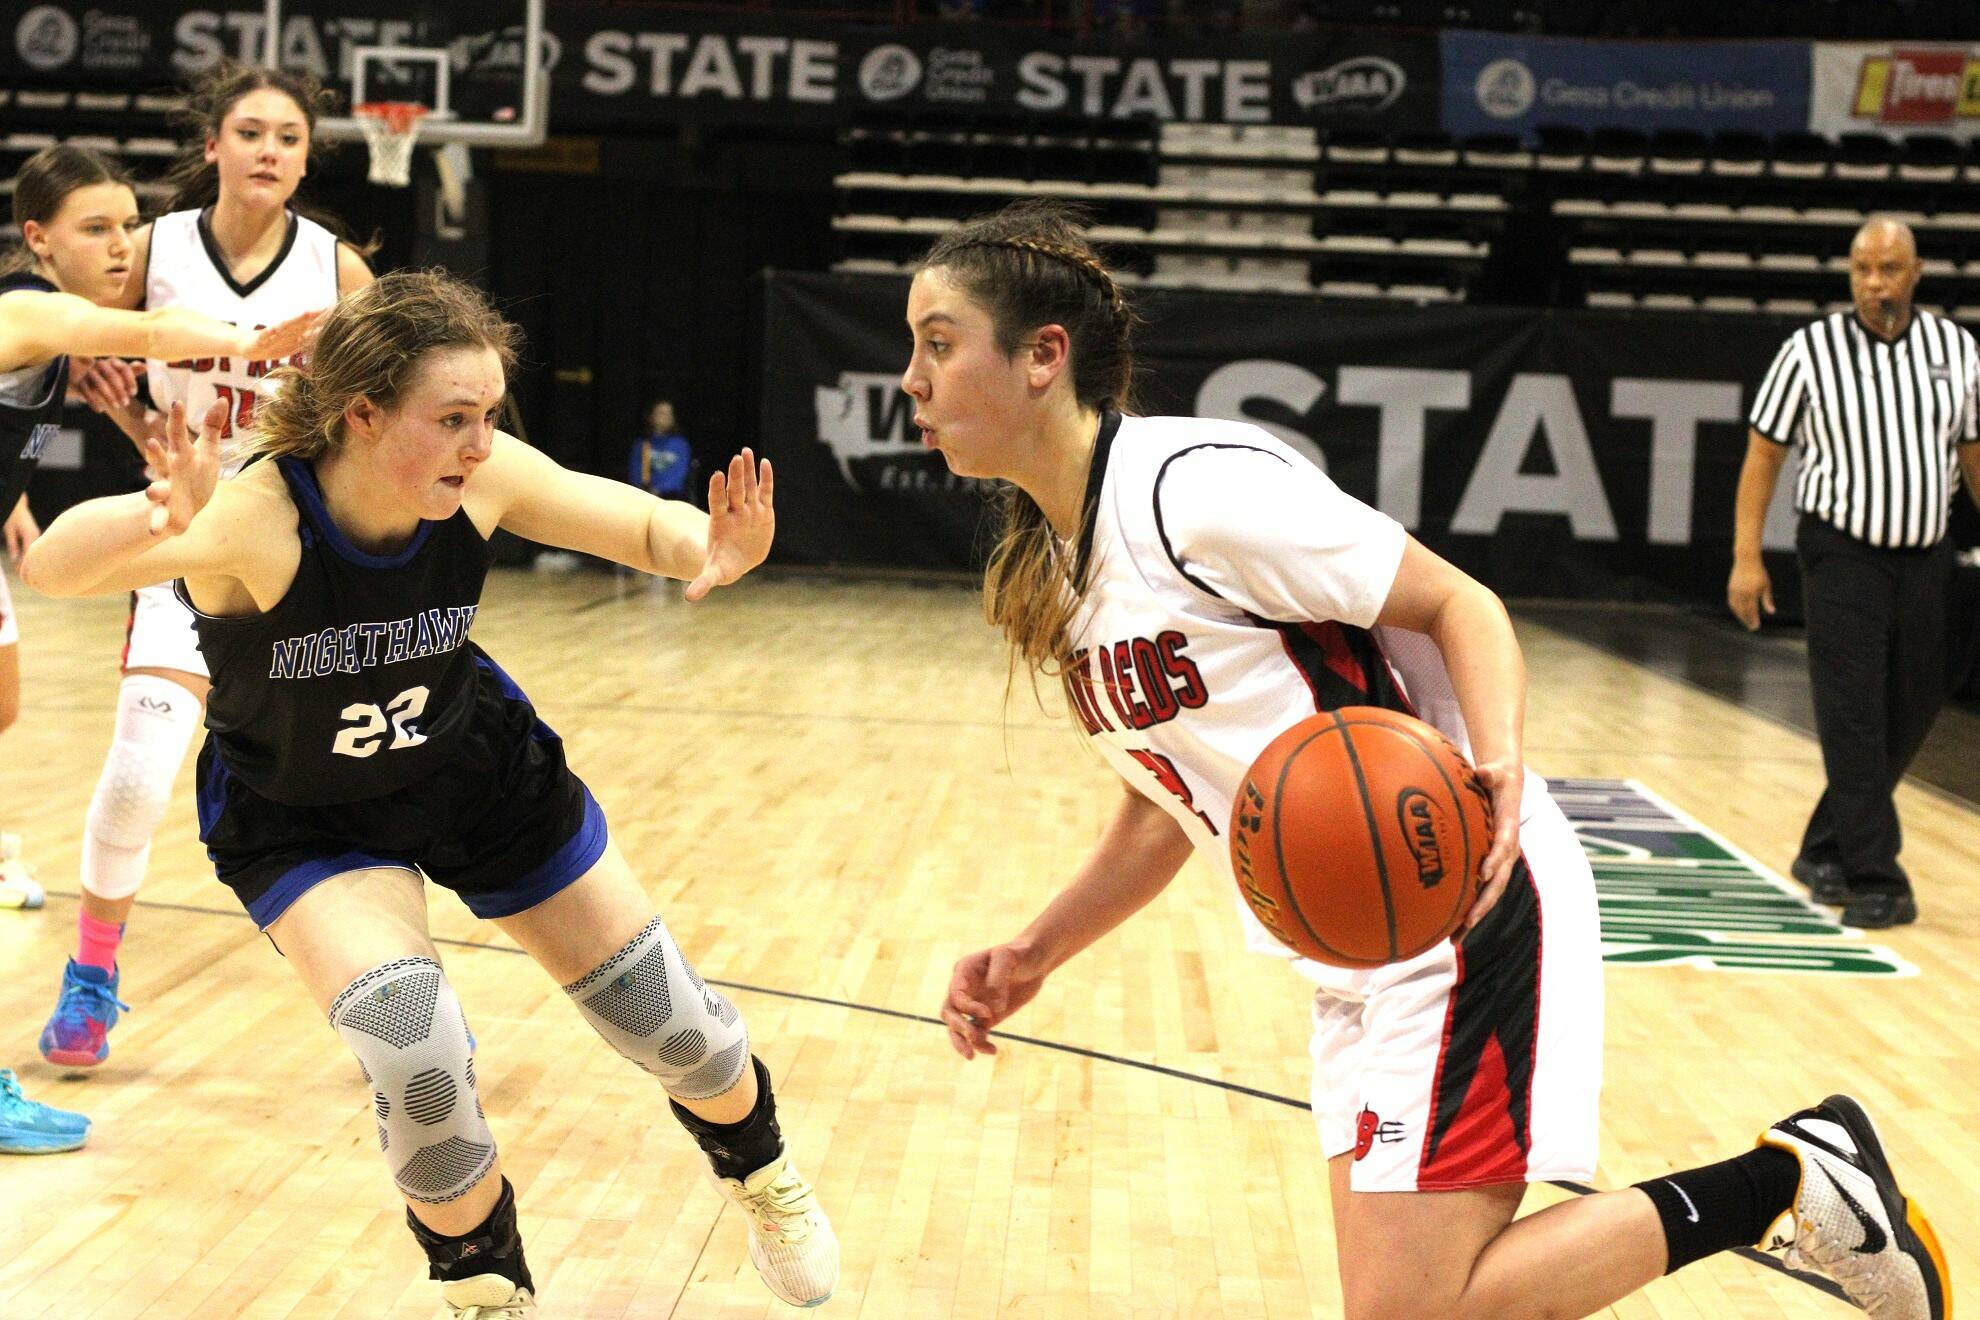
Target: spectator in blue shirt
x: 662, y: 460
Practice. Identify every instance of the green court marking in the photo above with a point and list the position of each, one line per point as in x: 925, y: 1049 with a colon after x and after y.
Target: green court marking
x: 1675, y: 894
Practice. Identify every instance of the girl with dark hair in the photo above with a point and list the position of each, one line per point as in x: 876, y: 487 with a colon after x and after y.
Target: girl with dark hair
x: 358, y: 739
x: 76, y: 213
x: 232, y: 246
x: 1198, y: 586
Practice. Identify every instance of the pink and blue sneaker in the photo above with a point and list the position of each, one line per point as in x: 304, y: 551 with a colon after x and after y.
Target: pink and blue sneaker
x: 28, y: 1128
x: 78, y: 1035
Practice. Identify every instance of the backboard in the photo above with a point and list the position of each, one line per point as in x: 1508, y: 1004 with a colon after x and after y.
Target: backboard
x: 480, y: 67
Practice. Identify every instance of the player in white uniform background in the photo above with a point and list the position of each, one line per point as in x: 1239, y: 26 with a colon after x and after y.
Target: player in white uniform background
x: 1201, y: 586
x: 233, y: 247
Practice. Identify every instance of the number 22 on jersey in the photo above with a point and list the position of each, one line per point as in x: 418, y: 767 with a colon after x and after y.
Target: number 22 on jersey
x: 364, y: 735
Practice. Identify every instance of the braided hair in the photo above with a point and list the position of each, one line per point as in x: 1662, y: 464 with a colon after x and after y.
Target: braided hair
x: 1030, y: 265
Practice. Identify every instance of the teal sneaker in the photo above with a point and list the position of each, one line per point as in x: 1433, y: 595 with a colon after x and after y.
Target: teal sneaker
x: 27, y: 1128
x: 78, y: 1035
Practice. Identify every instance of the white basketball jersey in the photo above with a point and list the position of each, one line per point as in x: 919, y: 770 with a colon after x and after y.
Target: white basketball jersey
x: 1232, y: 590
x: 186, y: 269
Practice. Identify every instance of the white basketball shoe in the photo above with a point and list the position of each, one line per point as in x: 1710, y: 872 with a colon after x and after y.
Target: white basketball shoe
x: 1851, y: 1223
x: 487, y: 1297
x: 791, y: 1242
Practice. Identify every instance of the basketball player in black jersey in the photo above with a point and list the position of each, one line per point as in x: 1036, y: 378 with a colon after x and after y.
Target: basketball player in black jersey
x: 359, y: 738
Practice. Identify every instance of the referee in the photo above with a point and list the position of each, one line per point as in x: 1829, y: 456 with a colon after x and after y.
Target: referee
x: 1881, y: 400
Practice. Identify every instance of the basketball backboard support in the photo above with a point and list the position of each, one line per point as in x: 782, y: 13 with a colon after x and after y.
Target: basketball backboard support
x: 478, y: 66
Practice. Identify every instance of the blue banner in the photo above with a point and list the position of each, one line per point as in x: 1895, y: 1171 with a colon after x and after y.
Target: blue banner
x: 1495, y: 83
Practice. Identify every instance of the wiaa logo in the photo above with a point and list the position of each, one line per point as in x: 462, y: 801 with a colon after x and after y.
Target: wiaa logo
x: 1422, y: 822
x: 1364, y: 84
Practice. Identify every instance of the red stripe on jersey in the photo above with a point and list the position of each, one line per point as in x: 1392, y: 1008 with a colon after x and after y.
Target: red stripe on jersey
x: 1333, y: 646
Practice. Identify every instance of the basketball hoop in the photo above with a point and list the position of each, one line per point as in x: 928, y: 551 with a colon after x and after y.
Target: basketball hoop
x: 390, y: 128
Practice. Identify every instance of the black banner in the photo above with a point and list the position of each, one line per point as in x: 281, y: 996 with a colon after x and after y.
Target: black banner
x: 615, y: 66
x: 1549, y: 453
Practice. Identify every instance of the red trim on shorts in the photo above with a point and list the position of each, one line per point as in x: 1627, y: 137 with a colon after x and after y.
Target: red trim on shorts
x: 1488, y: 1140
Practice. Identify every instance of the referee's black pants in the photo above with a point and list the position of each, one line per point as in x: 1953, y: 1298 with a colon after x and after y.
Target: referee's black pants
x: 1877, y: 667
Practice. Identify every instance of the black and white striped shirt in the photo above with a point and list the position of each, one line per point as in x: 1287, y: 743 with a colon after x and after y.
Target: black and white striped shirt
x: 1879, y: 423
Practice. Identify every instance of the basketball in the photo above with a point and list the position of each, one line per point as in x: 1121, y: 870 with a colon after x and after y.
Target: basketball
x: 1357, y: 837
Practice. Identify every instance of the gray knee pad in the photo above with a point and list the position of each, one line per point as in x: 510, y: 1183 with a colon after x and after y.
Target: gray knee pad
x: 404, y: 1023
x: 649, y: 1003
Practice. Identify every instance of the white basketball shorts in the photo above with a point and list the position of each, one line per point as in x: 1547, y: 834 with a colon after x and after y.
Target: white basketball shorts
x: 160, y: 634
x: 1477, y: 1064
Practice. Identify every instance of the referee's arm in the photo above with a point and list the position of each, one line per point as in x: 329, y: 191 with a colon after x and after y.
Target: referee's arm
x: 1749, y: 590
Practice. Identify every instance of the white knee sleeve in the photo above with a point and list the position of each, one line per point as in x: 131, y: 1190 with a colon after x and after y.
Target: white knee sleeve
x: 156, y: 719
x: 649, y: 1003
x: 404, y: 1023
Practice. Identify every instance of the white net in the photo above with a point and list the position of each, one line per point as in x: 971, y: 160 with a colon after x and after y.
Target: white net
x: 390, y: 130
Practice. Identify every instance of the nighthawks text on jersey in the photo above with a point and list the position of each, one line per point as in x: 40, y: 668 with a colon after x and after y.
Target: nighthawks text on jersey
x: 363, y: 645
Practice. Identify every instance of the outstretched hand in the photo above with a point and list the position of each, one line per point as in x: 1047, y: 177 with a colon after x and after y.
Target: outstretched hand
x: 985, y: 989
x: 295, y: 335
x: 1505, y: 784
x: 741, y: 522
x: 188, y: 467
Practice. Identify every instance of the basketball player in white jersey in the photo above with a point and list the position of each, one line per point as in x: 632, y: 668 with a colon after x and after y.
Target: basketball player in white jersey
x: 76, y: 213
x: 233, y: 247
x: 1200, y: 586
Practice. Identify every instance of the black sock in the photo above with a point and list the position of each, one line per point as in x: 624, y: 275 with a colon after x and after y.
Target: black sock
x: 1723, y: 1205
x: 738, y: 1149
x: 493, y: 1247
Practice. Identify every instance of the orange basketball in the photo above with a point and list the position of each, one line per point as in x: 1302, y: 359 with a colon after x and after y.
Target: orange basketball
x: 1357, y: 836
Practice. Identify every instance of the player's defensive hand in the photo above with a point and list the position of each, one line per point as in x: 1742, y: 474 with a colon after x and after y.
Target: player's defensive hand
x: 295, y: 335
x: 106, y: 384
x: 741, y: 522
x: 1748, y: 591
x: 21, y: 530
x: 190, y: 468
x: 1506, y: 784
x: 986, y: 988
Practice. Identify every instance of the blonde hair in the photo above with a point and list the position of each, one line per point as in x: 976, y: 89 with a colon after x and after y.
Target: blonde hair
x: 371, y: 347
x: 1030, y: 265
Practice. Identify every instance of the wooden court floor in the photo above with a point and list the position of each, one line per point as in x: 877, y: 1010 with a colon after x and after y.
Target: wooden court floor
x: 828, y: 801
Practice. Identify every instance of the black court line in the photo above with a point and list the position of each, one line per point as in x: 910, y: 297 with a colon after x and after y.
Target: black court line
x: 1270, y: 1097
